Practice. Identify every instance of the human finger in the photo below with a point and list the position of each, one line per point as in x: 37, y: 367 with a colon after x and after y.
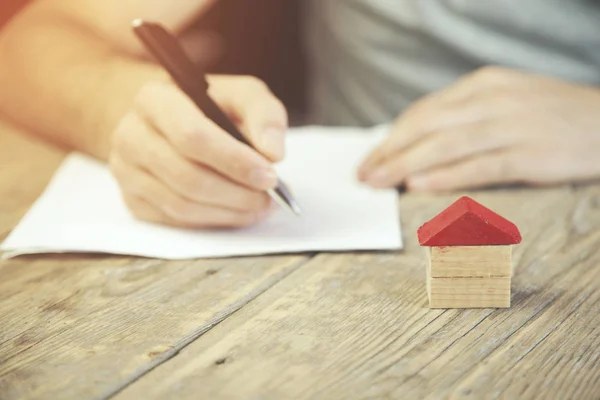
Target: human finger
x: 137, y: 182
x: 190, y: 180
x: 444, y: 147
x: 199, y: 139
x: 475, y: 97
x: 483, y: 170
x: 261, y: 115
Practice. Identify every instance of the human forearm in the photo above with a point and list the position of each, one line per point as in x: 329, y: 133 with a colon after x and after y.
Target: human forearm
x: 64, y: 83
x: 78, y: 81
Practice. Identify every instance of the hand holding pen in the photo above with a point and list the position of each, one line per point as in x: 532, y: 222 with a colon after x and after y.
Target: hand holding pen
x: 191, y: 79
x: 176, y: 166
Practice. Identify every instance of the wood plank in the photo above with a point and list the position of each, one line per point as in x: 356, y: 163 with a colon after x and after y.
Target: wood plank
x: 559, y: 352
x: 470, y: 261
x: 85, y: 326
x: 357, y: 326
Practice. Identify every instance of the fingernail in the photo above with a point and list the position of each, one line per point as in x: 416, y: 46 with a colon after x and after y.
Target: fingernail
x: 263, y: 177
x: 379, y: 177
x: 418, y: 182
x: 273, y: 142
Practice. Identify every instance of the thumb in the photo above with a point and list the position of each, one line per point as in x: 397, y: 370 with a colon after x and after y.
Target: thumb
x: 261, y: 116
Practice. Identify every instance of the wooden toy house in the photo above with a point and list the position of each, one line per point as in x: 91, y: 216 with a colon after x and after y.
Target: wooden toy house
x: 469, y: 250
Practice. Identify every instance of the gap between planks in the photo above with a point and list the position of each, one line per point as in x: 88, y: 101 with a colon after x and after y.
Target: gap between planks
x: 177, y: 348
x: 533, y: 308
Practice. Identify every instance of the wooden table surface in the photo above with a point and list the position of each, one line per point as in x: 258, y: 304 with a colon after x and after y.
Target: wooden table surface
x: 320, y: 326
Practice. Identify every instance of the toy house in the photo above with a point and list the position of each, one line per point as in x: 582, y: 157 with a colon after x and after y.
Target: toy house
x: 469, y: 250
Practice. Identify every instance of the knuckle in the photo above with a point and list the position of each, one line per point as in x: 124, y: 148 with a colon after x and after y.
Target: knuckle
x: 139, y: 187
x: 476, y: 137
x: 180, y: 210
x: 405, y: 165
x: 179, y: 174
x: 152, y: 157
x: 232, y: 219
x: 418, y: 118
x: 253, y: 83
x: 246, y: 219
x: 489, y: 73
x: 239, y: 166
x: 188, y: 138
x: 251, y: 201
x: 126, y: 139
x: 196, y: 184
x: 446, y: 146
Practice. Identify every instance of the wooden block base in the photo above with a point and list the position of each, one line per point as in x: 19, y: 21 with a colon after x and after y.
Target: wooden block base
x: 469, y: 292
x: 469, y: 277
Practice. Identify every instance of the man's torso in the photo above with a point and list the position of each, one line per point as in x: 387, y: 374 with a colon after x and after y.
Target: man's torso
x: 370, y: 59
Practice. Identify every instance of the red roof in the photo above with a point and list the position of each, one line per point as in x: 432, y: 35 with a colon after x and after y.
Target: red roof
x: 468, y: 223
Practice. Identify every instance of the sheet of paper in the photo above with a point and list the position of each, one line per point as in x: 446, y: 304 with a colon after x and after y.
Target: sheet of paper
x: 82, y: 209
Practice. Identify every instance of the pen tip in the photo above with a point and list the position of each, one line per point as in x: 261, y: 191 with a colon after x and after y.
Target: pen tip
x: 296, y: 209
x: 283, y: 198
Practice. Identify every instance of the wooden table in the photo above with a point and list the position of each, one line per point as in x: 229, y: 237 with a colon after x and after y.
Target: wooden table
x: 322, y: 326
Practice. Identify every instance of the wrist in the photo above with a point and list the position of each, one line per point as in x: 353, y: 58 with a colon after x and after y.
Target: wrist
x: 124, y: 78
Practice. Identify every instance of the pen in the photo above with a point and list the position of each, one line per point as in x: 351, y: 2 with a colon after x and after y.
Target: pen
x: 167, y: 51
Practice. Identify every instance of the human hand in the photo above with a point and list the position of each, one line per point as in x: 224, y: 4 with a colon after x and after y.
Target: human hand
x: 494, y: 126
x: 175, y: 166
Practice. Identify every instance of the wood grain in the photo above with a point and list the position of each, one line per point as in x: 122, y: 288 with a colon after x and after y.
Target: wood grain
x: 85, y: 326
x: 474, y: 292
x: 468, y: 276
x: 469, y: 261
x: 334, y: 326
x: 82, y: 327
x: 558, y: 352
x: 357, y: 325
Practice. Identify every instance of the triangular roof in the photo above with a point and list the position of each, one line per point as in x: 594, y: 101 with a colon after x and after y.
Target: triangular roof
x: 468, y: 223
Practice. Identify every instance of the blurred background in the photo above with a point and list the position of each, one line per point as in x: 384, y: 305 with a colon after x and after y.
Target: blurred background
x: 263, y: 38
x: 267, y: 44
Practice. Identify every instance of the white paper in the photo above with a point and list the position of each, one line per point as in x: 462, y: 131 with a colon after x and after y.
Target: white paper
x: 82, y: 209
